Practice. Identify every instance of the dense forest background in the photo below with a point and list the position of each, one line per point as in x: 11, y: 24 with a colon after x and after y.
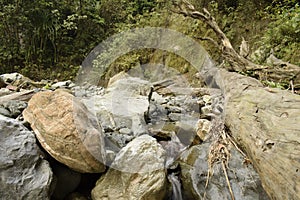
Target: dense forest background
x: 49, y: 39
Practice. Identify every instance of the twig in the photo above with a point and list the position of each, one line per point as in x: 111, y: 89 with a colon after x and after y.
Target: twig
x: 227, y: 180
x: 292, y: 86
x: 207, y: 181
x: 237, y: 148
x: 210, y: 40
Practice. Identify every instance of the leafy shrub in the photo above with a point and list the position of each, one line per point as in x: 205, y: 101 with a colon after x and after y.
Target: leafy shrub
x: 282, y: 35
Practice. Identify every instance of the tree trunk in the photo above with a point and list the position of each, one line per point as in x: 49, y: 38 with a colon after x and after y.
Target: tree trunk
x: 265, y: 123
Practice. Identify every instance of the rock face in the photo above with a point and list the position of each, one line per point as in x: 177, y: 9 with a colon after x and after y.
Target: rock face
x: 137, y: 173
x: 67, y: 130
x: 24, y: 175
x: 244, y: 181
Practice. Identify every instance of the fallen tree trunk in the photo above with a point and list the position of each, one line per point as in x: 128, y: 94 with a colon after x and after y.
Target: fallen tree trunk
x: 265, y: 123
x: 283, y: 73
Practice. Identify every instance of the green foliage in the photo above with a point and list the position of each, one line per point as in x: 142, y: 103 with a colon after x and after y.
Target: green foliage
x: 272, y: 84
x: 45, y: 35
x: 282, y: 35
x: 123, y: 14
x: 49, y: 39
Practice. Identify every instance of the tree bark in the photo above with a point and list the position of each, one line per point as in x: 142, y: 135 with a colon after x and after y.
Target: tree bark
x: 263, y: 121
x: 265, y: 124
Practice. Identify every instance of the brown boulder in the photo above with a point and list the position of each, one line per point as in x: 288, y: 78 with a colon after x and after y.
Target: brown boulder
x: 67, y: 130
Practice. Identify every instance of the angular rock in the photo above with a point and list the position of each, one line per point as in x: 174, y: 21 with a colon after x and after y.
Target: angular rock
x: 63, y: 84
x: 87, y: 90
x: 14, y: 108
x: 24, y: 175
x: 157, y: 113
x: 192, y: 105
x: 175, y: 116
x: 203, y: 128
x: 10, y: 78
x: 138, y: 125
x: 136, y: 173
x: 19, y: 96
x: 206, y: 111
x: 244, y: 181
x: 115, y: 141
x: 186, y: 129
x: 122, y: 107
x: 17, y: 81
x: 67, y: 130
x: 158, y: 98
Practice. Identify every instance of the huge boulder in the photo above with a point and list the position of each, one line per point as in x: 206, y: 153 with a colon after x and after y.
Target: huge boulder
x: 24, y: 175
x: 245, y: 182
x: 136, y: 173
x: 67, y: 130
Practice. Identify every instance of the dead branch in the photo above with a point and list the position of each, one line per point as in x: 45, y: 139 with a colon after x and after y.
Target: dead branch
x: 282, y: 73
x: 227, y: 180
x: 210, y: 40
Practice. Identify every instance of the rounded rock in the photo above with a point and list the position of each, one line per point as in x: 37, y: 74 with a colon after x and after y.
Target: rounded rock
x: 67, y: 130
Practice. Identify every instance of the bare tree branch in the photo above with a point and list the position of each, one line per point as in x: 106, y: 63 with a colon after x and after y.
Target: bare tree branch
x: 238, y: 62
x: 210, y: 40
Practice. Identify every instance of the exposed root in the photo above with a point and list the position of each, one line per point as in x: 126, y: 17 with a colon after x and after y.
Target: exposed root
x: 227, y: 180
x: 237, y: 148
x: 292, y: 86
x: 209, y: 174
x: 219, y: 154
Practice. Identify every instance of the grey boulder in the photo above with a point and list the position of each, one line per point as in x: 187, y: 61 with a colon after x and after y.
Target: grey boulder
x: 136, y: 173
x: 12, y: 108
x: 244, y: 181
x: 24, y: 175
